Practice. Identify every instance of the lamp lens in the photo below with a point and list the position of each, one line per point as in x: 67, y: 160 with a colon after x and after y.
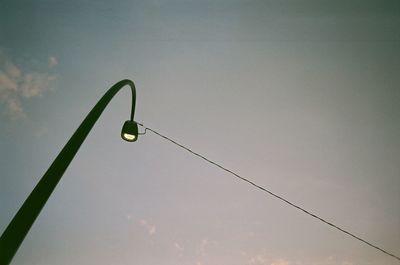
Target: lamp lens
x: 129, y: 136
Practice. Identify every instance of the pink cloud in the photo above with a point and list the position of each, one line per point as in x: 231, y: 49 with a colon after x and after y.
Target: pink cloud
x: 17, y: 85
x: 151, y: 229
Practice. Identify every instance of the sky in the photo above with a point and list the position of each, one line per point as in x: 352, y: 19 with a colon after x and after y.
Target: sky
x: 300, y: 96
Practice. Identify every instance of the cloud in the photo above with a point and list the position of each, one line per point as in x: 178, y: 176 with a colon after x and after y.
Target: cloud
x: 180, y: 249
x: 14, y: 108
x: 258, y: 259
x: 202, y: 249
x: 12, y: 70
x: 18, y: 85
x: 7, y: 82
x: 280, y: 262
x: 347, y: 263
x: 151, y: 229
x: 262, y: 259
x: 35, y: 84
x: 52, y: 61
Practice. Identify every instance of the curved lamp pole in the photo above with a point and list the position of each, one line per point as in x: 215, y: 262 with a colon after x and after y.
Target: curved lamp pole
x: 16, y: 231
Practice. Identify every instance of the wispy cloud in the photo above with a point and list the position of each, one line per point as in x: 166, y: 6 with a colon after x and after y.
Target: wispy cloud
x: 151, y: 229
x: 179, y: 248
x: 18, y: 85
x: 262, y: 259
x: 202, y: 247
x: 258, y: 259
x: 347, y: 263
x: 280, y: 262
x: 52, y: 61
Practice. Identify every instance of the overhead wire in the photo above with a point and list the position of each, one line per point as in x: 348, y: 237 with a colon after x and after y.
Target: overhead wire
x: 271, y: 193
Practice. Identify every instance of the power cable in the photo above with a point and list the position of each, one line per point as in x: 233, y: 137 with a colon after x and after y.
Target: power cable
x: 270, y: 192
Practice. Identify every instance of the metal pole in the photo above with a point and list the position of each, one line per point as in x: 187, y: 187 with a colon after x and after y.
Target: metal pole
x: 16, y: 231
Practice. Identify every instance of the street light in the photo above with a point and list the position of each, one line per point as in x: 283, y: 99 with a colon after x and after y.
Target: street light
x: 19, y: 226
x: 130, y: 131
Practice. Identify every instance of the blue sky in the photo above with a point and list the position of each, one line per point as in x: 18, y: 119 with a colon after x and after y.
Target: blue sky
x: 299, y: 96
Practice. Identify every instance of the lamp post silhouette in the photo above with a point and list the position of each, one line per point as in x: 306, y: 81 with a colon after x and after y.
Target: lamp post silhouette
x: 19, y: 226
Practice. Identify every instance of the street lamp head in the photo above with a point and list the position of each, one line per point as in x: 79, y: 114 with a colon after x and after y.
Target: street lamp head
x: 130, y: 131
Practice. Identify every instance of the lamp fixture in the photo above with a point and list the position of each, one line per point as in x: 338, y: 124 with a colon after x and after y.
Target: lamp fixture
x: 130, y: 131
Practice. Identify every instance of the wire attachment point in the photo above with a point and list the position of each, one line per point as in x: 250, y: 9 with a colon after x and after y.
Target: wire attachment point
x: 143, y: 133
x: 145, y: 128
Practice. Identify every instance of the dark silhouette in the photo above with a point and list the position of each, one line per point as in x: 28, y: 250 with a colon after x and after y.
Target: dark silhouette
x: 16, y: 231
